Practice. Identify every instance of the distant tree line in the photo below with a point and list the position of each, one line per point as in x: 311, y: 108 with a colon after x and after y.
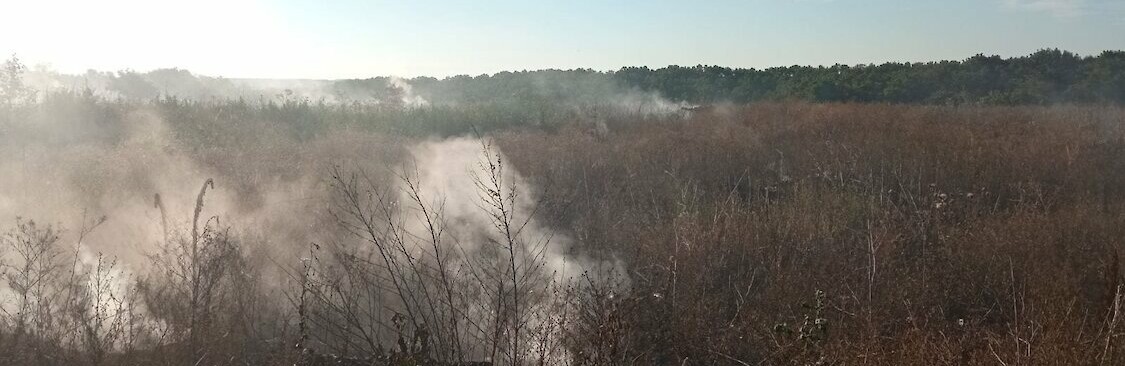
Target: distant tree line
x: 1044, y: 77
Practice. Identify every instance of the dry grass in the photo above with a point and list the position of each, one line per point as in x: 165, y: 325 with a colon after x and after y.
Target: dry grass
x: 939, y: 235
x: 773, y: 233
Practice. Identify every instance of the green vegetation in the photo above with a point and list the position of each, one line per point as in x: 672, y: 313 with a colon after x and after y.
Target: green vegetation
x: 1044, y: 77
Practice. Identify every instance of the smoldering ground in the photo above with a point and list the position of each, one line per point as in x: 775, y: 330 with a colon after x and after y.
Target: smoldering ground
x: 117, y: 182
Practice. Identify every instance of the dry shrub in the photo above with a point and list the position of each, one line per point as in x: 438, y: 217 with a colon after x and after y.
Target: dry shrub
x: 772, y: 233
x: 967, y: 235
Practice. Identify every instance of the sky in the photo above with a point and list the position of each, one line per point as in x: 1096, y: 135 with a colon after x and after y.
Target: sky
x: 305, y: 39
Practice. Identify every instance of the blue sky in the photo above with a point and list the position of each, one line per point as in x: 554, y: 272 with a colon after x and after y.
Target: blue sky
x: 352, y: 38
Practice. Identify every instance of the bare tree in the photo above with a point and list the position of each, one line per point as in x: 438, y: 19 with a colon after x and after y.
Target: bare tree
x: 32, y: 278
x: 412, y: 284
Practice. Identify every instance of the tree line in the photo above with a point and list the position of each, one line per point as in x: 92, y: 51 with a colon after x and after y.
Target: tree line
x: 1045, y: 77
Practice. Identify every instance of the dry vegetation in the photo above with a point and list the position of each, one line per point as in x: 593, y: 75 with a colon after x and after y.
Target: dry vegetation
x: 772, y: 233
x: 850, y: 234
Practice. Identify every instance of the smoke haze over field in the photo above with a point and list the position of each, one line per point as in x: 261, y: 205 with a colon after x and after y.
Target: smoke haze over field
x: 581, y: 182
x: 566, y: 217
x: 70, y: 170
x: 573, y: 88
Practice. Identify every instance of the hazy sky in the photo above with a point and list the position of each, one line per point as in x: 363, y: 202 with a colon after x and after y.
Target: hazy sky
x: 353, y: 38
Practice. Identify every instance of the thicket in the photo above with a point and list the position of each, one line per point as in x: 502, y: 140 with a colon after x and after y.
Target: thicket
x: 840, y: 234
x: 768, y: 233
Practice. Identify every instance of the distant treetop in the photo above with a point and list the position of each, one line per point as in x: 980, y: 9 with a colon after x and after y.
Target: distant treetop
x: 1044, y: 77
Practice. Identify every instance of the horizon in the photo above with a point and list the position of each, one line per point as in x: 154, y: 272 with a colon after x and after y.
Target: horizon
x: 41, y: 67
x: 299, y: 40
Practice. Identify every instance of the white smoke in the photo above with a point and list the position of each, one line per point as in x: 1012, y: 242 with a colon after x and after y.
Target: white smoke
x: 408, y: 98
x: 456, y: 173
x: 60, y: 169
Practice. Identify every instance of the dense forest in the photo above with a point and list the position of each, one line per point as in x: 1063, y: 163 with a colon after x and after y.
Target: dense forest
x: 1046, y: 76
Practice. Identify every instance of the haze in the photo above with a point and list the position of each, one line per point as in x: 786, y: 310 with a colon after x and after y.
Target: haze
x: 570, y: 183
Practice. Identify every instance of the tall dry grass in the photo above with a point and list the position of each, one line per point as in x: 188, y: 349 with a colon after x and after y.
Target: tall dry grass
x: 850, y: 234
x: 772, y: 233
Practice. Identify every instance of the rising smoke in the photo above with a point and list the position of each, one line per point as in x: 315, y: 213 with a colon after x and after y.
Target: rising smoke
x: 97, y: 179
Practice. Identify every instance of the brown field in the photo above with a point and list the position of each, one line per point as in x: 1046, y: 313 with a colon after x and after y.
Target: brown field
x: 764, y: 234
x: 936, y: 235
